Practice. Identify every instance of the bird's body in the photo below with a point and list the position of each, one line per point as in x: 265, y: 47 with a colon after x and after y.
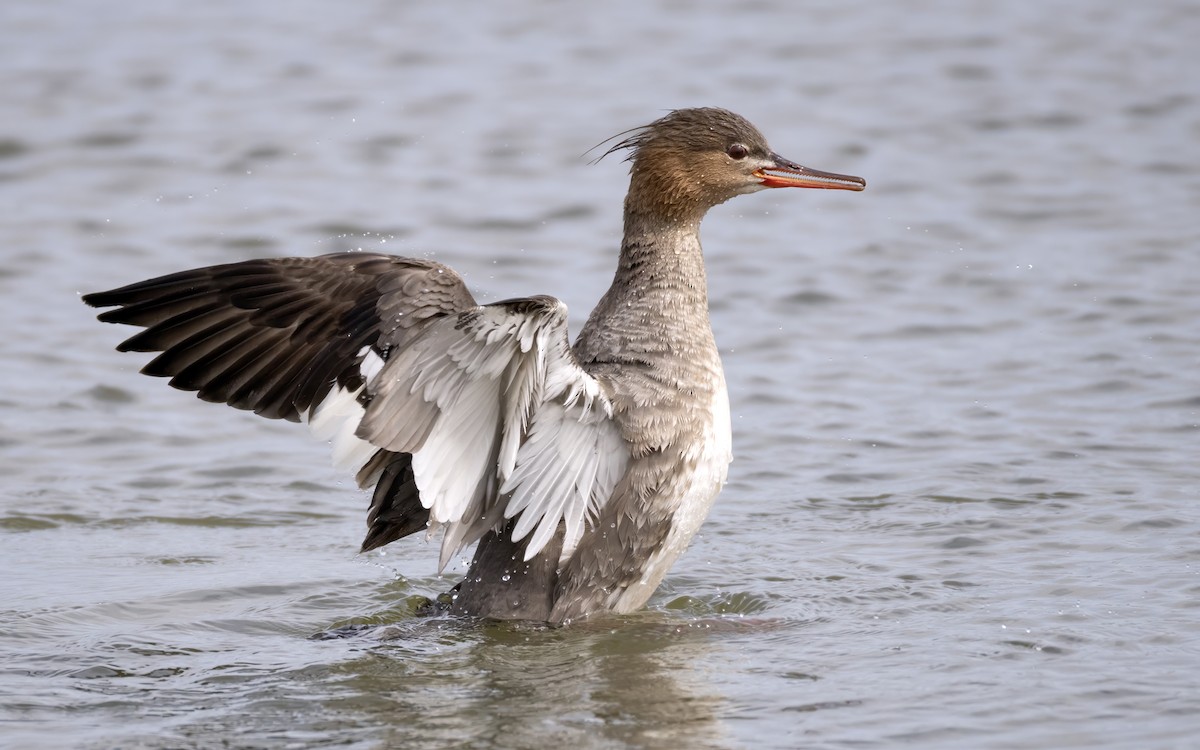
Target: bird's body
x: 582, y: 471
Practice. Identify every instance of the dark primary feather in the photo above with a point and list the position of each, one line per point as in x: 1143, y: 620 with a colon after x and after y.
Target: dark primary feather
x: 396, y: 509
x: 274, y: 336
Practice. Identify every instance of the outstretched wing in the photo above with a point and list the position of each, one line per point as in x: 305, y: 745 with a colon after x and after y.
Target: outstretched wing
x: 275, y: 335
x: 460, y: 415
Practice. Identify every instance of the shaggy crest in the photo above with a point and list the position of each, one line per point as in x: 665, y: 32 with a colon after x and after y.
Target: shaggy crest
x: 718, y: 129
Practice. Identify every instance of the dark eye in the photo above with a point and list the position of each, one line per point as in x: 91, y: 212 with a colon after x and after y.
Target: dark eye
x: 737, y: 151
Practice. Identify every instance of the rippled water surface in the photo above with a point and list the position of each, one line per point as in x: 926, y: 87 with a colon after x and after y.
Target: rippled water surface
x: 966, y: 402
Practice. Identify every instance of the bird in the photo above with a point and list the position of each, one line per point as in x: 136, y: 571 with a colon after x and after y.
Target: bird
x: 580, y: 471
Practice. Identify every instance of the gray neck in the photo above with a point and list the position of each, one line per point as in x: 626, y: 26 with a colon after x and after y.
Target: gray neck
x: 662, y: 260
x: 659, y: 293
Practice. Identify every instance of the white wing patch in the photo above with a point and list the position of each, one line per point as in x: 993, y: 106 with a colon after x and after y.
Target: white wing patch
x: 337, y: 417
x: 371, y: 363
x: 500, y: 420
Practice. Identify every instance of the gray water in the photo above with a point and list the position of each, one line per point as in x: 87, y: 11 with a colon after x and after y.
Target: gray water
x: 963, y: 510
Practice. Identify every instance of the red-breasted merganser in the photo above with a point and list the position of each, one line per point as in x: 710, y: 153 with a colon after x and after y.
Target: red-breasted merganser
x: 581, y: 471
